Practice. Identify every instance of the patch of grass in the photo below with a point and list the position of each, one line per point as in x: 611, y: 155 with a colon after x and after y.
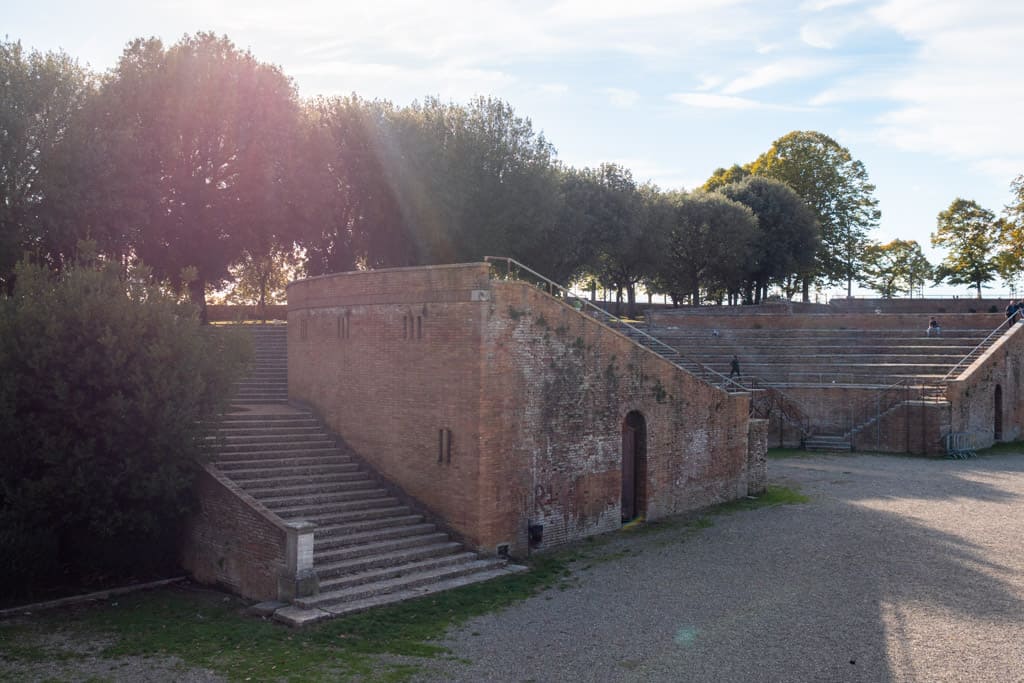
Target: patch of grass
x: 774, y: 495
x: 1011, y: 447
x: 209, y: 629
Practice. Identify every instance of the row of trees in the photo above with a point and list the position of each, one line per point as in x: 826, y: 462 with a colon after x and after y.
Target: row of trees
x: 203, y: 162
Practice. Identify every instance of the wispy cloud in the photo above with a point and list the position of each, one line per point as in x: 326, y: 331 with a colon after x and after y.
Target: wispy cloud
x: 621, y: 97
x: 780, y: 72
x: 704, y: 100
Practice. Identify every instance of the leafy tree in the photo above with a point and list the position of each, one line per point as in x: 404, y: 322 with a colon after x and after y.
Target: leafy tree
x: 102, y: 387
x: 726, y: 176
x: 349, y: 198
x: 712, y: 245
x: 39, y: 95
x: 836, y: 187
x: 788, y: 232
x: 624, y: 225
x: 971, y: 235
x: 896, y: 266
x: 205, y: 133
x: 262, y: 279
x: 1010, y: 258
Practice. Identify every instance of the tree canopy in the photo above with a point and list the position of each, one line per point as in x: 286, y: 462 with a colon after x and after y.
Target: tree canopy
x: 788, y: 234
x: 836, y: 187
x: 971, y: 234
x: 897, y: 266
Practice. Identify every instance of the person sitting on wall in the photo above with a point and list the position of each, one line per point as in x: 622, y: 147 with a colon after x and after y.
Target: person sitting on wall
x: 933, y: 327
x: 1011, y: 311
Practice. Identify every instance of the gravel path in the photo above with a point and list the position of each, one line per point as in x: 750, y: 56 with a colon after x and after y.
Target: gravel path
x: 900, y: 569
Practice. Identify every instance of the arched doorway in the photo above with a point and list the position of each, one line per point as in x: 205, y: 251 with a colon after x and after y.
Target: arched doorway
x: 634, y: 466
x: 997, y: 405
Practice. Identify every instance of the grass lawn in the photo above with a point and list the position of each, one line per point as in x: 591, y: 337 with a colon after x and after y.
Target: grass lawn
x: 210, y: 629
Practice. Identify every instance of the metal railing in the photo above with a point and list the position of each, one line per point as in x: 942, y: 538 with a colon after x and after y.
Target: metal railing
x: 709, y: 375
x: 976, y: 352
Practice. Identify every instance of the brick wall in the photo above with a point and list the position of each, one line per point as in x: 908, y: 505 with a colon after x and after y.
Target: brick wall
x: 973, y: 396
x: 498, y: 407
x: 557, y: 386
x: 390, y: 359
x: 228, y: 542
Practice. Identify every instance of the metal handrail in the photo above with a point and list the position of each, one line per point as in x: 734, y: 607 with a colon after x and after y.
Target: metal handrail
x: 552, y: 286
x: 984, y: 343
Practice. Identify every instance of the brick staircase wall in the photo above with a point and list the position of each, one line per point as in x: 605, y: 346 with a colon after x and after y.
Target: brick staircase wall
x: 288, y: 512
x: 501, y: 408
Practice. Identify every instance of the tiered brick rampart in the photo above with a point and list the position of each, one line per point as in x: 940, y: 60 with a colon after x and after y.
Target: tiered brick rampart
x: 499, y: 407
x: 229, y: 542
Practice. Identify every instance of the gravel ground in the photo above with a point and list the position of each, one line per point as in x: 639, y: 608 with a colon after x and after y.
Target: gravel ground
x: 899, y: 569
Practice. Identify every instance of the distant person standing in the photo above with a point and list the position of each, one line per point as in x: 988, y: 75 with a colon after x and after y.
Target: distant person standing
x: 933, y: 328
x: 734, y: 367
x: 1011, y: 311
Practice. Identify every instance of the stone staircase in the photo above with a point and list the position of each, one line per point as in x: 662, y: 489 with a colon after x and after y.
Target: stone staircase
x: 370, y: 548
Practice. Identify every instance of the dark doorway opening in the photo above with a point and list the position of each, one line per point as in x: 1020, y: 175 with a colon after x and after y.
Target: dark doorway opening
x: 998, y: 410
x: 634, y: 466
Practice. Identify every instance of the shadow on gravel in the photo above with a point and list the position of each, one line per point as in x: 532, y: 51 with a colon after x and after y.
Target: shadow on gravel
x: 868, y: 582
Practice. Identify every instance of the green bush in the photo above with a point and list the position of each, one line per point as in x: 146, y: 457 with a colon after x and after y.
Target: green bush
x: 103, y: 388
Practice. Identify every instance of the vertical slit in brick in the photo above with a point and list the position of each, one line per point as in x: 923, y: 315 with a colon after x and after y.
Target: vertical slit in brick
x: 444, y: 446
x: 419, y: 327
x: 405, y: 327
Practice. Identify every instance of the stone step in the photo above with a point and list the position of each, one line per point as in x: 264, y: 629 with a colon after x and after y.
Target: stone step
x: 381, y: 518
x: 828, y: 443
x: 278, y: 446
x: 332, y: 581
x: 252, y: 401
x: 258, y: 428
x: 262, y: 471
x: 372, y: 511
x: 361, y: 541
x: 296, y: 616
x: 249, y: 422
x: 305, y: 453
x: 313, y: 512
x: 352, y: 491
x: 331, y: 596
x: 328, y: 568
x: 272, y: 436
x: 296, y: 483
x: 268, y: 417
x: 303, y: 485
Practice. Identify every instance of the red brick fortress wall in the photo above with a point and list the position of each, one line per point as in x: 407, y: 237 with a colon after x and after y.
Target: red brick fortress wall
x: 227, y: 542
x: 557, y: 387
x: 391, y: 361
x: 498, y: 407
x: 973, y: 394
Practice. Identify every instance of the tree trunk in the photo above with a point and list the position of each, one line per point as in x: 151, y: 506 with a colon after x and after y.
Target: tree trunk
x: 197, y: 293
x: 631, y: 297
x: 806, y: 285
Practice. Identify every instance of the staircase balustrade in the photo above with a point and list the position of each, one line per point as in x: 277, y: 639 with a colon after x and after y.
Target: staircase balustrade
x: 514, y: 270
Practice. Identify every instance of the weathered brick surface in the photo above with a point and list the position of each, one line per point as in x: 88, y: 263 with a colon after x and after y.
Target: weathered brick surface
x: 227, y: 542
x: 557, y: 387
x: 757, y: 458
x: 534, y: 395
x: 409, y: 368
x: 973, y: 396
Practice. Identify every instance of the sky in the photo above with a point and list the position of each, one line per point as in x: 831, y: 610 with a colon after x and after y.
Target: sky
x: 926, y: 93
